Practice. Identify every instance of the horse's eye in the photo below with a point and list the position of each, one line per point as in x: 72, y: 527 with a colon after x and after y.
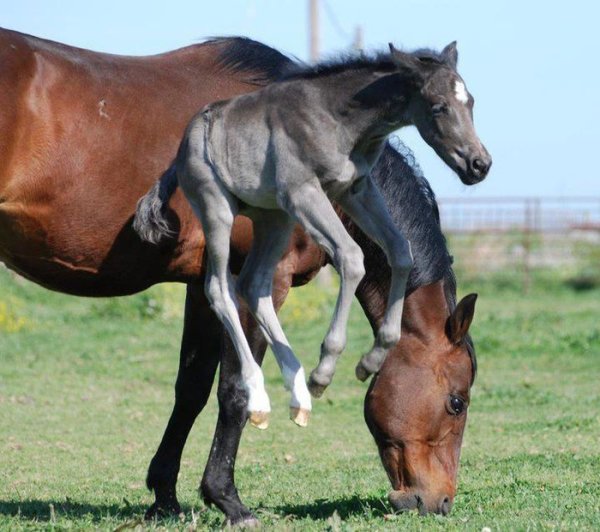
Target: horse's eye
x: 439, y: 108
x: 457, y: 405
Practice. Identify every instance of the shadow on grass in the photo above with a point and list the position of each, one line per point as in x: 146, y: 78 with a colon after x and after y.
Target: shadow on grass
x: 39, y: 510
x: 49, y: 511
x: 344, y: 506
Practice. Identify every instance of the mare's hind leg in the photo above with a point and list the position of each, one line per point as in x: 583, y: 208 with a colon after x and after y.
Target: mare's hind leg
x: 365, y: 205
x: 218, y: 482
x: 272, y: 230
x: 312, y: 208
x: 198, y: 361
x: 216, y: 209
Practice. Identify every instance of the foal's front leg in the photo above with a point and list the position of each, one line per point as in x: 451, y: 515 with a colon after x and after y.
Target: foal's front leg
x: 365, y: 205
x: 312, y: 208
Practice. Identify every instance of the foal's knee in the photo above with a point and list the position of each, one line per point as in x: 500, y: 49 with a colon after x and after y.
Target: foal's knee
x: 388, y: 337
x: 250, y: 288
x: 401, y: 259
x: 351, y: 264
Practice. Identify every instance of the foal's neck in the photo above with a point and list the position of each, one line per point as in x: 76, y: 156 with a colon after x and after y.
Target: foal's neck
x: 369, y: 105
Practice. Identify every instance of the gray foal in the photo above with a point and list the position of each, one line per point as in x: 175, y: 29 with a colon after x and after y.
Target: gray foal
x: 281, y: 155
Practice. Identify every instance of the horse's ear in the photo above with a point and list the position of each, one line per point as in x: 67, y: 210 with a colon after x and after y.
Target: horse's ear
x: 450, y: 55
x: 458, y: 323
x: 402, y: 59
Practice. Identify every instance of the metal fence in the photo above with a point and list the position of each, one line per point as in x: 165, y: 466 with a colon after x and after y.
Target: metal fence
x: 522, y: 234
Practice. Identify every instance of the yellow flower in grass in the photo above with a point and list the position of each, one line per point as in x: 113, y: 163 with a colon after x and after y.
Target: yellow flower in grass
x: 10, y: 321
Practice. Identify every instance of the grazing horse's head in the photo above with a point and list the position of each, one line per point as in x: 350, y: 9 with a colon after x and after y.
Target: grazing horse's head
x: 442, y: 111
x: 416, y: 407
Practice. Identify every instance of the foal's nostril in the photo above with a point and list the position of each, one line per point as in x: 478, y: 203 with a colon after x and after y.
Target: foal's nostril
x: 480, y: 166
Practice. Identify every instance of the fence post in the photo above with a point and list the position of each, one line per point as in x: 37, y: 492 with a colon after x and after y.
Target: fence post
x: 527, y: 247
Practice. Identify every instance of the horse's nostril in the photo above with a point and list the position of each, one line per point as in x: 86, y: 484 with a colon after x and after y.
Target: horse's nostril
x: 479, y: 166
x: 445, y: 506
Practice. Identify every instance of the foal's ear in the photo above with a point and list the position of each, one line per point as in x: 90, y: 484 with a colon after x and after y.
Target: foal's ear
x: 402, y: 59
x: 458, y: 323
x: 449, y: 55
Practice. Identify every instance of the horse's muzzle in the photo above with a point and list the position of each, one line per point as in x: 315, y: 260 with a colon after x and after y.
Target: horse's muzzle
x: 408, y: 500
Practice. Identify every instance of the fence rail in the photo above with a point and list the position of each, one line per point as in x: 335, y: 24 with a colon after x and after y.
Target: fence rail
x: 488, y: 234
x: 544, y: 215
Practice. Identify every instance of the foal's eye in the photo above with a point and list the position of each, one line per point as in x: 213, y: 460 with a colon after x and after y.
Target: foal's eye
x: 457, y: 405
x: 439, y: 108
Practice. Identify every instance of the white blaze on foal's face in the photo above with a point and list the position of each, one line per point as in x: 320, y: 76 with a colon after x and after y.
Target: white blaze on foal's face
x: 460, y: 91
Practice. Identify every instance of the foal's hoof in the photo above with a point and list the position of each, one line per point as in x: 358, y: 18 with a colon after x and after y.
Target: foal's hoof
x: 361, y: 372
x: 300, y: 416
x: 260, y: 420
x: 316, y: 389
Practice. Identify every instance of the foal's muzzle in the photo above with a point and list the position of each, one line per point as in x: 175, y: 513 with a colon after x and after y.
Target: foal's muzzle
x: 473, y: 169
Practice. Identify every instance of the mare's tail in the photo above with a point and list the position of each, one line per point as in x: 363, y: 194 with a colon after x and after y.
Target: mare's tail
x: 150, y: 221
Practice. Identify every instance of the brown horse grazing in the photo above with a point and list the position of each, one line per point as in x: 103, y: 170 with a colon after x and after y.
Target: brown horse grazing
x: 83, y: 135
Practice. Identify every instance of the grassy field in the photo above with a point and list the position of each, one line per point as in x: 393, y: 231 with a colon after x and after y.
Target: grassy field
x: 86, y: 389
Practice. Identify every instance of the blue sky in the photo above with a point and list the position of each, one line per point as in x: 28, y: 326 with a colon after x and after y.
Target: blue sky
x: 531, y: 65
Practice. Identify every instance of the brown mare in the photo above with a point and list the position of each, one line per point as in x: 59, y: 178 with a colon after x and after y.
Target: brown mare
x: 85, y: 135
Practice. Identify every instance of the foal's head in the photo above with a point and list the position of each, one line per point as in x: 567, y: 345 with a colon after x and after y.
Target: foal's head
x: 441, y: 108
x: 416, y: 407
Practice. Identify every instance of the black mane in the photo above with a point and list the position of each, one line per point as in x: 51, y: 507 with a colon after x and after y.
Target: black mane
x: 240, y: 54
x: 377, y: 61
x: 407, y: 193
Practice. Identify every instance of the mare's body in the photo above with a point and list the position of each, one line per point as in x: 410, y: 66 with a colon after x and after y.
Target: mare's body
x: 83, y: 135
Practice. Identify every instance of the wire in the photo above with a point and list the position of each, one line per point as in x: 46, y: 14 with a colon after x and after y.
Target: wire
x: 335, y: 22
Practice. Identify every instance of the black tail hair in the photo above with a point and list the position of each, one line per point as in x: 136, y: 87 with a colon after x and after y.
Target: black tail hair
x: 150, y: 221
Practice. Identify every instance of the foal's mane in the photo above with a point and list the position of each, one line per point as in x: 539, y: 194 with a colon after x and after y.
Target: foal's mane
x: 353, y: 61
x: 408, y: 195
x: 240, y: 54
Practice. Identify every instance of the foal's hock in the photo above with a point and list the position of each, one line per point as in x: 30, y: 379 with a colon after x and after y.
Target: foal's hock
x: 280, y: 156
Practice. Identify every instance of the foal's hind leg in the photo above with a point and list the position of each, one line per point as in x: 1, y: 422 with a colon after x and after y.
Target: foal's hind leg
x: 365, y: 205
x: 272, y: 230
x: 215, y: 207
x: 312, y: 208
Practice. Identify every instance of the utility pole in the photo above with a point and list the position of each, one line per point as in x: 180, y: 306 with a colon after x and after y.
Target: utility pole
x: 359, y: 39
x: 313, y: 21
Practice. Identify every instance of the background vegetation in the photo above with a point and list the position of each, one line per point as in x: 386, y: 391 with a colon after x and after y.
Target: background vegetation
x: 86, y: 390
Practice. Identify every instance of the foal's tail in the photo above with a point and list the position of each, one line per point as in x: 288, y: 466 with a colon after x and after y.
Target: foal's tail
x: 150, y: 221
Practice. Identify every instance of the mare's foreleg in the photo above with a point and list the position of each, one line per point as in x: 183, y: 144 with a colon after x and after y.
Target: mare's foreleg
x: 272, y: 230
x: 198, y: 360
x: 365, y: 205
x: 312, y: 208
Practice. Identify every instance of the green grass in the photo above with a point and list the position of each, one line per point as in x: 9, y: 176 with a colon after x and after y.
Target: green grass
x: 86, y: 390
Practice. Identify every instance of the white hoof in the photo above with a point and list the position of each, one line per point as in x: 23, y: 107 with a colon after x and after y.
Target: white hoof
x: 296, y: 382
x: 259, y: 405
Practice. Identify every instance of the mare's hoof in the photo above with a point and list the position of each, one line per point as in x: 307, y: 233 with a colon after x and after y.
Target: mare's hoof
x: 162, y: 510
x: 316, y: 389
x: 300, y: 416
x: 361, y: 373
x: 260, y: 420
x: 243, y: 522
